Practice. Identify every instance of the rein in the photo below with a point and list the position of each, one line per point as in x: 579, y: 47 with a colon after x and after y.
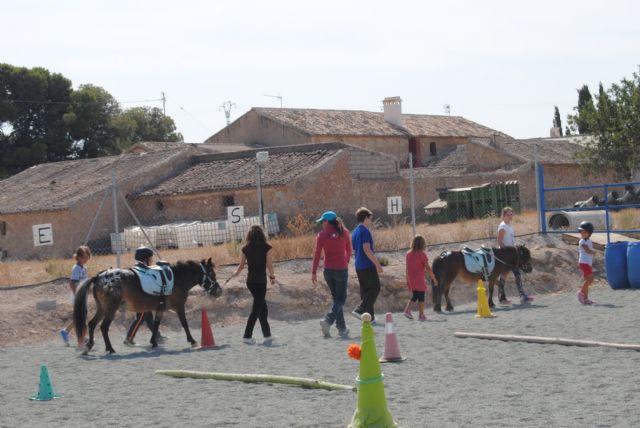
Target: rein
x: 517, y: 265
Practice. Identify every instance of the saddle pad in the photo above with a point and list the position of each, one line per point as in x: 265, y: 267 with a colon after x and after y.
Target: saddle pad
x: 475, y: 261
x: 155, y: 280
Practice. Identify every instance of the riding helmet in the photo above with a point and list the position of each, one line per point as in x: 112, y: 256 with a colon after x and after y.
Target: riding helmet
x: 585, y: 225
x: 143, y: 253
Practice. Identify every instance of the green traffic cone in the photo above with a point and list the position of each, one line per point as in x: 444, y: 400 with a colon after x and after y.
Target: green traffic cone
x: 372, y: 410
x: 45, y: 390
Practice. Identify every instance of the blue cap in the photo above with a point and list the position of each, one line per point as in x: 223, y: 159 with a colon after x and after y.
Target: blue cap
x: 327, y: 215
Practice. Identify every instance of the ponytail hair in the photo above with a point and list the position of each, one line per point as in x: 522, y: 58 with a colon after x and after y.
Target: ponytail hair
x: 338, y: 225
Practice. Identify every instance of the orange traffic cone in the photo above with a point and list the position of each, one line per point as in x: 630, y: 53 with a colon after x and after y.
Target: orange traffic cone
x: 391, y: 348
x: 206, y: 340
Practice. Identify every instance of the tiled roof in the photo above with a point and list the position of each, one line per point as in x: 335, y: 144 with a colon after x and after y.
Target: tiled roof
x: 238, y: 172
x: 59, y: 185
x: 366, y: 123
x: 149, y: 146
x: 549, y: 150
x: 454, y: 156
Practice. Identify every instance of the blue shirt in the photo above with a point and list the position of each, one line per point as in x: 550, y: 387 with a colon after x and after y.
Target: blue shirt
x: 360, y: 236
x: 78, y: 273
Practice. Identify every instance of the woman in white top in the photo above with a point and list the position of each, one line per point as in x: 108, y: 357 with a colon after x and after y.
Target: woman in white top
x: 506, y: 238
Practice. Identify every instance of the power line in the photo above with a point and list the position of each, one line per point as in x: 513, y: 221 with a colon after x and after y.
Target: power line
x: 76, y: 102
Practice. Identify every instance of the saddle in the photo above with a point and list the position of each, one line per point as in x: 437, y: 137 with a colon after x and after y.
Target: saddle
x: 155, y: 280
x: 479, y: 261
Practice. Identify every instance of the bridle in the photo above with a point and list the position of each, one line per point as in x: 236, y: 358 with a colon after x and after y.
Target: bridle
x: 207, y: 282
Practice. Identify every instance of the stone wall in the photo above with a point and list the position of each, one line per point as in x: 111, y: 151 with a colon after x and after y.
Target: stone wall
x: 252, y: 128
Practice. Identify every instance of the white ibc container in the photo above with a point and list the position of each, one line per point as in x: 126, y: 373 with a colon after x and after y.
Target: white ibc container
x: 134, y: 237
x: 205, y: 233
x: 221, y: 232
x: 186, y: 235
x: 117, y: 243
x: 166, y: 236
x: 271, y: 224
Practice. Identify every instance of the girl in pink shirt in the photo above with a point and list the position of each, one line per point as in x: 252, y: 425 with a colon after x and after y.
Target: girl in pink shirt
x: 417, y: 265
x: 335, y: 243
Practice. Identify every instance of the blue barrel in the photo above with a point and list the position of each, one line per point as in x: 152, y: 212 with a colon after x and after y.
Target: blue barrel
x: 615, y: 261
x: 633, y: 264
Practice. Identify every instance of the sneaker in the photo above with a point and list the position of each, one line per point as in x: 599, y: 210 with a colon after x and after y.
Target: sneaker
x: 408, y: 315
x: 344, y: 333
x: 65, y: 336
x: 249, y: 340
x: 128, y: 342
x: 325, y: 328
x: 505, y: 301
x: 422, y: 317
x: 581, y: 297
x: 357, y: 314
x: 268, y: 341
x: 588, y: 302
x: 525, y: 299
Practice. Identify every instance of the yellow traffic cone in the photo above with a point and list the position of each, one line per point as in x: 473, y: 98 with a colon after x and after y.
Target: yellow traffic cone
x: 483, y: 304
x: 372, y: 410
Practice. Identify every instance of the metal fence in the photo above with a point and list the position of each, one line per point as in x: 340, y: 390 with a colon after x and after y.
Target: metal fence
x: 564, y: 208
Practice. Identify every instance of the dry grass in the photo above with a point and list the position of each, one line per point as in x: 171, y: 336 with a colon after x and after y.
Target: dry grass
x: 391, y: 238
x: 627, y: 219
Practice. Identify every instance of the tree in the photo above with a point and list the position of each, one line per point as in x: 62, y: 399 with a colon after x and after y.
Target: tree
x: 557, y: 122
x: 147, y: 124
x: 614, y: 123
x: 42, y: 119
x: 33, y: 103
x: 585, y: 108
x: 91, y: 121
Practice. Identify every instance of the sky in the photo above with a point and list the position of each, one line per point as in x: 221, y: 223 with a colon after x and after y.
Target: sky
x: 503, y: 64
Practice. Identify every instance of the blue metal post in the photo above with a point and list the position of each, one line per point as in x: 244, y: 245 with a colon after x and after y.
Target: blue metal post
x: 540, y: 191
x: 606, y: 212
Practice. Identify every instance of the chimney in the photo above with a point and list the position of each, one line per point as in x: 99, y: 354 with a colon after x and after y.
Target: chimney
x: 393, y: 110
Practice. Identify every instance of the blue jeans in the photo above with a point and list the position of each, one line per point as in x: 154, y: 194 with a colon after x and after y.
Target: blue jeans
x: 337, y: 282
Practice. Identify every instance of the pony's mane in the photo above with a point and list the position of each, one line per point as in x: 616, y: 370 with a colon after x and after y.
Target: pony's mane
x: 187, y: 265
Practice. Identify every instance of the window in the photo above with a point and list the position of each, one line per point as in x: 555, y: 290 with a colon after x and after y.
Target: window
x: 3, y: 227
x: 228, y: 201
x: 432, y: 149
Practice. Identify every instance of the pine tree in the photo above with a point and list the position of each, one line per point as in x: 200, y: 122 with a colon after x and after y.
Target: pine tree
x: 557, y: 122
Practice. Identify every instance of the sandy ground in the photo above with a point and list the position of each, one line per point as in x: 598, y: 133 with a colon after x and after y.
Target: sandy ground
x: 445, y: 381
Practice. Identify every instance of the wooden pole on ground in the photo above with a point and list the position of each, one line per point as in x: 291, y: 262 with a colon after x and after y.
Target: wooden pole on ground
x: 257, y: 378
x: 544, y: 340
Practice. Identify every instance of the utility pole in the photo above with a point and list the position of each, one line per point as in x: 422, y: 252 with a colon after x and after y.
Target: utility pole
x: 227, y: 106
x: 276, y: 96
x: 164, y: 102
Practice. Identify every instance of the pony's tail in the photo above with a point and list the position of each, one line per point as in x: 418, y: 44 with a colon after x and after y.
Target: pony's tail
x: 80, y: 307
x: 436, y: 267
